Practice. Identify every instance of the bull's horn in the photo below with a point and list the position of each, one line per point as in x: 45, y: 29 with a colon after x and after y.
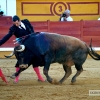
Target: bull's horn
x: 10, y: 55
x: 22, y: 48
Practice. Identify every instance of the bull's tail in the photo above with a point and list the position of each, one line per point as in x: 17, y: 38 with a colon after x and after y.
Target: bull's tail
x: 92, y: 52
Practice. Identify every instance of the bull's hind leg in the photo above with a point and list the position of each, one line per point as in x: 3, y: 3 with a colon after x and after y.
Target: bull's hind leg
x: 79, y: 70
x: 68, y: 72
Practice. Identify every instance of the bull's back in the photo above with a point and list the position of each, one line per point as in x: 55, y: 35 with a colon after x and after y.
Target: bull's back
x: 58, y: 41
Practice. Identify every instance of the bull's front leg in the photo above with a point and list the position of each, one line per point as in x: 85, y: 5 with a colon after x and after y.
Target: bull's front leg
x: 45, y: 72
x: 49, y: 79
x: 17, y: 73
x: 48, y: 59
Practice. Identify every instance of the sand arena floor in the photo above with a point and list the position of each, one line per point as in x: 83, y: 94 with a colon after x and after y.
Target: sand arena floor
x: 28, y: 88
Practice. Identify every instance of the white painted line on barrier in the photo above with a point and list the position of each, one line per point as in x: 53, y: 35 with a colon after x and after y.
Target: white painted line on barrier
x: 11, y: 49
x: 96, y: 48
x: 6, y: 49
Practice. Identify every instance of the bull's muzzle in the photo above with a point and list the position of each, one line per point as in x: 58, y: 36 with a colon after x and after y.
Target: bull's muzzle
x: 23, y: 66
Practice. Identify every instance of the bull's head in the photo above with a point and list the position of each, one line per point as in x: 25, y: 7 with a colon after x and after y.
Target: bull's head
x: 22, y: 55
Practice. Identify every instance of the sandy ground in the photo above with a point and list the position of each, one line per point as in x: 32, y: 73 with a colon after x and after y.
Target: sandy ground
x: 28, y: 88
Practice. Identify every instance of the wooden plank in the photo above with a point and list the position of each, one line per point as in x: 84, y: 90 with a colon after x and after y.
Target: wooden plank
x: 92, y: 33
x: 70, y: 33
x: 95, y: 40
x: 5, y: 20
x: 65, y: 24
x: 9, y: 43
x: 94, y: 44
x: 90, y: 29
x: 65, y: 32
x: 38, y: 24
x: 92, y: 23
x: 64, y: 28
x: 93, y: 37
x: 3, y: 32
x: 41, y: 29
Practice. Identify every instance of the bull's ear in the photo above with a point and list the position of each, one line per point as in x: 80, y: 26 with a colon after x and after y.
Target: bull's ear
x: 9, y: 56
x: 22, y: 48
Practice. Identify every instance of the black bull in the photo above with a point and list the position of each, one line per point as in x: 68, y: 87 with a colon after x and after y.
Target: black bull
x: 46, y: 48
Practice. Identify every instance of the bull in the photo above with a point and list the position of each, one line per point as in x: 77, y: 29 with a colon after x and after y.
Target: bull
x: 46, y: 48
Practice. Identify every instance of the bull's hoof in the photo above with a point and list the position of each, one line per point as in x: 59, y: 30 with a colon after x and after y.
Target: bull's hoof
x: 73, y: 80
x: 13, y: 76
x: 59, y: 83
x: 53, y: 81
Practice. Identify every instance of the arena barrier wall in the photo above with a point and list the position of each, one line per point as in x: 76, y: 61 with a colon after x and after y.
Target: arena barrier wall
x: 84, y: 30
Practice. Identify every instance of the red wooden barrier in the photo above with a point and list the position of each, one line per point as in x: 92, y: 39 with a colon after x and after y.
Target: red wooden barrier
x: 5, y: 20
x: 3, y: 31
x: 85, y: 30
x: 91, y: 30
x: 40, y: 26
x: 69, y: 28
